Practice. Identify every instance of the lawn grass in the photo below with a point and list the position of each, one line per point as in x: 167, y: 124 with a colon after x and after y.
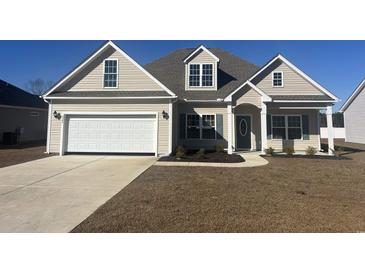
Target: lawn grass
x: 287, y: 195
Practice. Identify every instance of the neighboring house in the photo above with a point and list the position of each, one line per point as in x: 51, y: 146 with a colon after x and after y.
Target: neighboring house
x: 354, y: 115
x: 23, y: 113
x: 197, y: 98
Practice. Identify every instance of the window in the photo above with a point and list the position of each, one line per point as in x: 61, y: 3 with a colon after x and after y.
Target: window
x: 286, y: 127
x: 201, y: 75
x: 277, y: 79
x: 200, y: 127
x: 194, y: 75
x: 110, y: 73
x: 208, y: 127
x: 278, y: 127
x: 294, y: 127
x: 207, y: 77
x: 193, y: 126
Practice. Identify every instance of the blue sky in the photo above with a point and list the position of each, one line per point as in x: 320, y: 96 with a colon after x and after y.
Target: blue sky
x: 337, y: 65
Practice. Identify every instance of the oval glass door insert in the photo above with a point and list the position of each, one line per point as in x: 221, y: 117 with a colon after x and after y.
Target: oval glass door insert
x: 243, y: 127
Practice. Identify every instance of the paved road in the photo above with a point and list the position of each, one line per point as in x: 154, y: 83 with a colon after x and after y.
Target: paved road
x: 55, y: 194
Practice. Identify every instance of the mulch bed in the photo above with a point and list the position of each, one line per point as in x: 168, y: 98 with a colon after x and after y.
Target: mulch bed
x: 208, y: 157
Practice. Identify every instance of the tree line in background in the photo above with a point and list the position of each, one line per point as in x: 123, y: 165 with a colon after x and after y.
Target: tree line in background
x: 337, y: 119
x: 38, y: 86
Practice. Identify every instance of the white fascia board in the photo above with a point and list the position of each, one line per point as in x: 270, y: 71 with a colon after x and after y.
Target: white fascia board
x: 109, y: 43
x: 353, y: 96
x: 303, y: 101
x: 201, y: 48
x: 305, y: 76
x: 111, y: 98
x: 142, y: 69
x: 69, y: 75
x: 265, y: 97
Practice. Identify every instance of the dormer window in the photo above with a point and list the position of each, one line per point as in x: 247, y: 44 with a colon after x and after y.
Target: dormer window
x: 201, y: 75
x: 111, y: 73
x: 277, y: 79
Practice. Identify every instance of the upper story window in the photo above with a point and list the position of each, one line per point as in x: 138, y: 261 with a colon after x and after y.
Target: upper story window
x: 277, y: 79
x: 194, y: 75
x: 201, y: 75
x: 110, y: 73
x: 207, y: 76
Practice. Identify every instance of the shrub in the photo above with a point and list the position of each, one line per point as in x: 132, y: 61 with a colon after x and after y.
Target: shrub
x: 311, y: 151
x: 269, y: 151
x: 180, y: 152
x: 289, y: 151
x: 200, y: 153
x: 219, y: 148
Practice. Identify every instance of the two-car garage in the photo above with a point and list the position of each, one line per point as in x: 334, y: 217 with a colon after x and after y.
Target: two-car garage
x: 110, y: 133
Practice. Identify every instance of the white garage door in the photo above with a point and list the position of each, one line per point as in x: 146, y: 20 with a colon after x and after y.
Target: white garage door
x: 112, y: 134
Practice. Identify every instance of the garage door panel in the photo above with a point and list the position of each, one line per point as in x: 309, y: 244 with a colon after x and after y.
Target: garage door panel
x: 112, y: 135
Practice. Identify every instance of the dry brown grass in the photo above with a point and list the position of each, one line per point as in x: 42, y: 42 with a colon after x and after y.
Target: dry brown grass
x: 288, y: 195
x: 19, y: 154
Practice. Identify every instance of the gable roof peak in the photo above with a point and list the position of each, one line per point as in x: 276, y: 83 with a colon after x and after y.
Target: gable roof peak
x: 353, y: 96
x: 96, y: 53
x: 201, y: 47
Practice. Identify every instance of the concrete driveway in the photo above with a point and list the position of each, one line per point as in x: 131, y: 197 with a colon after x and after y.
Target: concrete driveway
x: 55, y: 194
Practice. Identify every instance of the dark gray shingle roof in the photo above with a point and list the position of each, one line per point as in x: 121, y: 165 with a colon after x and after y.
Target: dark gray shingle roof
x: 13, y: 96
x: 232, y: 72
x: 110, y: 93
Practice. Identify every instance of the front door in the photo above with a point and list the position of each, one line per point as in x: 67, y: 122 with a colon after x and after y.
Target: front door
x: 243, y: 132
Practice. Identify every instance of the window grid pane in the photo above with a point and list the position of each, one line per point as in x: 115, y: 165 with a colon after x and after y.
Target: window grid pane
x: 278, y: 127
x: 207, y: 77
x: 110, y: 73
x: 193, y: 126
x: 294, y: 127
x: 194, y: 75
x: 277, y: 79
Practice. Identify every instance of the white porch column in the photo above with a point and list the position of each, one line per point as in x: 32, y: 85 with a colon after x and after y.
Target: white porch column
x: 331, y: 147
x: 263, y: 128
x: 230, y: 131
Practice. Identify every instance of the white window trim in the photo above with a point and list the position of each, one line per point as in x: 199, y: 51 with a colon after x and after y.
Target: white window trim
x: 200, y: 126
x: 286, y: 126
x: 282, y: 79
x: 111, y: 59
x: 201, y: 75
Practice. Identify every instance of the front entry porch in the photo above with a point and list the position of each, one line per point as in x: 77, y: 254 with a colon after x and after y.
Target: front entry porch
x: 278, y: 126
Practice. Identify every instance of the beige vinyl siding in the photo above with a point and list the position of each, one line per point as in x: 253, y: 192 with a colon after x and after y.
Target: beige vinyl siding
x: 202, y: 58
x: 294, y: 84
x: 355, y: 120
x: 35, y: 127
x: 256, y: 124
x: 248, y: 96
x: 299, y: 145
x: 91, y: 78
x: 102, y: 106
x: 203, y: 109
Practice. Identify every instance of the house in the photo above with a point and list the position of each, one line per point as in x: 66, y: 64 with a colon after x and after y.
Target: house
x: 354, y: 115
x: 22, y: 113
x: 197, y: 98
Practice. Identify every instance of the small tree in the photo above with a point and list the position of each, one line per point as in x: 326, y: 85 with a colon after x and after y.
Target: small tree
x: 38, y: 86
